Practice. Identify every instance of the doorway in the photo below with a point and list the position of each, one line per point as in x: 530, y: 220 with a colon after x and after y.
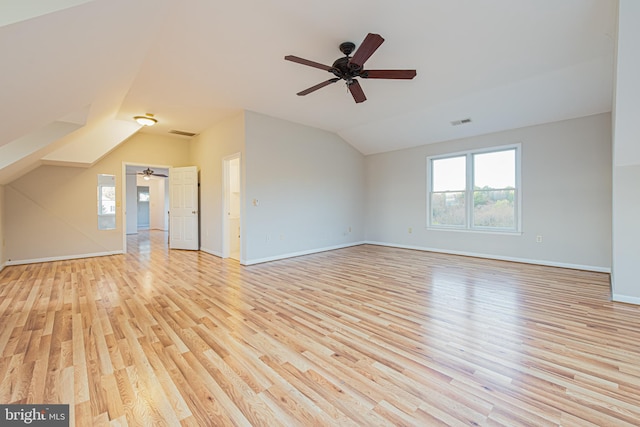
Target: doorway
x: 232, y: 220
x: 143, y: 208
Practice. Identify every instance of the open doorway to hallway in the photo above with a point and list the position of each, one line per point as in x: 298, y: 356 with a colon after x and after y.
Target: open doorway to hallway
x: 146, y: 202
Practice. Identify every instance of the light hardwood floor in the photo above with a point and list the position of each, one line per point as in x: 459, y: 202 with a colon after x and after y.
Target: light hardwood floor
x: 362, y: 336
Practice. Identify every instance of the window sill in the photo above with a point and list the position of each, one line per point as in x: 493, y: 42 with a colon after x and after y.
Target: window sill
x: 477, y: 231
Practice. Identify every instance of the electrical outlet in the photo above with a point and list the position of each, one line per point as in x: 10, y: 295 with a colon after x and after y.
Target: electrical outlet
x: 538, y: 238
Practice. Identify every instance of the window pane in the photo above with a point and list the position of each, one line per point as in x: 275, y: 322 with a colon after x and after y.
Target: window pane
x: 448, y: 208
x: 494, y: 208
x: 494, y: 170
x: 449, y: 174
x: 108, y: 208
x: 108, y: 193
x: 106, y: 202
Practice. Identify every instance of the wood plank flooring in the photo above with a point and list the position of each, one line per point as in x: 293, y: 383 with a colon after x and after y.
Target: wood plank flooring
x: 363, y: 336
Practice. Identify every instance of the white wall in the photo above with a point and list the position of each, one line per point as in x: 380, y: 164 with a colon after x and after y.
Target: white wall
x: 626, y: 168
x: 207, y: 151
x: 566, y: 187
x: 309, y: 189
x: 132, y: 204
x: 156, y: 204
x: 141, y: 224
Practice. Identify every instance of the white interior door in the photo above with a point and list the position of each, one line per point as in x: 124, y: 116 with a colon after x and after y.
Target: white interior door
x: 183, y: 210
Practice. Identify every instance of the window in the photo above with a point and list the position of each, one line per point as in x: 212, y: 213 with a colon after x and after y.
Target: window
x: 143, y: 194
x: 475, y: 190
x: 106, y: 202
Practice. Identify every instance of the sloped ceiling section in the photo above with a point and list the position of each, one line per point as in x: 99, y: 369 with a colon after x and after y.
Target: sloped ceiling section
x: 192, y: 63
x: 65, y: 71
x: 23, y: 154
x: 21, y: 10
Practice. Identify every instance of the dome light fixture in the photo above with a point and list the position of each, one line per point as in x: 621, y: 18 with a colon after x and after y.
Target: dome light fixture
x: 146, y: 120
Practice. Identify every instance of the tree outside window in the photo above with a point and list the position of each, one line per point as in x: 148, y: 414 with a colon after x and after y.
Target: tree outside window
x: 476, y: 190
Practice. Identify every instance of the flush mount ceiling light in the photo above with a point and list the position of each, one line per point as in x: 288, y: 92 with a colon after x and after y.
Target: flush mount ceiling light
x: 146, y: 120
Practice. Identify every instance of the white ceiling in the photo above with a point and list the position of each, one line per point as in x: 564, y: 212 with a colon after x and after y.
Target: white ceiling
x: 502, y: 63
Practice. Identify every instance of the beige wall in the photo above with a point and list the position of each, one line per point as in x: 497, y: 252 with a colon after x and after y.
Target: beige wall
x: 566, y: 196
x: 52, y: 209
x: 316, y: 192
x: 309, y: 185
x: 2, y: 240
x: 207, y: 152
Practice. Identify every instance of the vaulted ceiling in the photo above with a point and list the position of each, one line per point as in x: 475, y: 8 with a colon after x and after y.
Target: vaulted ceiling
x: 75, y: 72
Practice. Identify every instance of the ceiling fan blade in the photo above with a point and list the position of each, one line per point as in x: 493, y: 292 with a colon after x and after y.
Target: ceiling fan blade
x: 388, y: 74
x: 357, y: 92
x: 307, y: 62
x: 160, y: 175
x: 318, y: 86
x: 366, y: 49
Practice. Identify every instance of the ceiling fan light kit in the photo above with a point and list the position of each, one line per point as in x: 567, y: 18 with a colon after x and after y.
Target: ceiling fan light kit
x: 146, y: 120
x: 148, y: 173
x: 349, y: 68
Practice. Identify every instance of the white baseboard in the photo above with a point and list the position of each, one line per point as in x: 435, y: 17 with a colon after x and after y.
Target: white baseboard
x: 301, y: 253
x: 61, y: 258
x: 597, y: 269
x: 625, y: 298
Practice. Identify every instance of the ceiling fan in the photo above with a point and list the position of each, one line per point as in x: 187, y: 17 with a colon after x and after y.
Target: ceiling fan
x: 148, y: 173
x: 348, y: 67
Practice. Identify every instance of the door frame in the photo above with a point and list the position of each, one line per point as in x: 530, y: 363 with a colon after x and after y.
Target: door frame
x: 123, y: 186
x: 226, y: 191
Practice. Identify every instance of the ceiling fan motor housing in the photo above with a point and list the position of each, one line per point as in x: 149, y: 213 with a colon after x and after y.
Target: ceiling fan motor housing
x: 342, y: 69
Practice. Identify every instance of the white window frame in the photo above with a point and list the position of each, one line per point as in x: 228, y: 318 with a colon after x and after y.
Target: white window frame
x: 469, y: 190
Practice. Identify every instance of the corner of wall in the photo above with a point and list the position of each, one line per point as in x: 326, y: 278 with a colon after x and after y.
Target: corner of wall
x: 2, y: 249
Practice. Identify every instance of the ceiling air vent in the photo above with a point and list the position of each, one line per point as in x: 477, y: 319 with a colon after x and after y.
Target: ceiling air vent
x: 461, y: 122
x: 182, y: 133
